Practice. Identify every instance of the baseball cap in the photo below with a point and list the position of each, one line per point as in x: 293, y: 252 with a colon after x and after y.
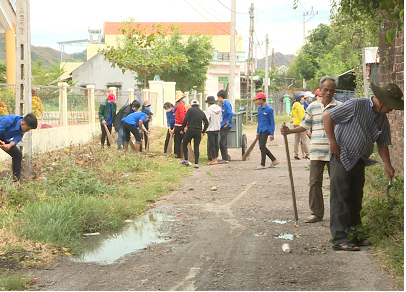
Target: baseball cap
x: 194, y: 102
x: 260, y: 95
x: 308, y: 94
x: 111, y: 97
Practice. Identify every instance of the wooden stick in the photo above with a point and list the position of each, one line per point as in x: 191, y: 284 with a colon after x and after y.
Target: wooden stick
x: 190, y: 153
x: 292, y: 186
x: 169, y: 148
x: 247, y: 153
x: 108, y: 135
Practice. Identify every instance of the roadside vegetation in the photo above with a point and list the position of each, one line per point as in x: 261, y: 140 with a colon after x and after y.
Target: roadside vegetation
x: 77, y: 190
x: 383, y: 218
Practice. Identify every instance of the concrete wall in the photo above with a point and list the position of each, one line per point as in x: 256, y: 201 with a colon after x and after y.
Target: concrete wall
x: 391, y: 69
x: 44, y: 140
x: 98, y: 71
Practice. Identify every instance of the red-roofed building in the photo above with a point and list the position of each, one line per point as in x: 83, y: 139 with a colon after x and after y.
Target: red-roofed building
x: 218, y: 74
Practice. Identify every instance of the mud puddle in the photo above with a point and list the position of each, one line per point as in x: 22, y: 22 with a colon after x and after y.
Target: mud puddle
x: 137, y: 234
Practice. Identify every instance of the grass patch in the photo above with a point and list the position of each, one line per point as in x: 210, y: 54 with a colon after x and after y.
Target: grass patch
x: 12, y: 283
x: 383, y: 217
x: 83, y: 189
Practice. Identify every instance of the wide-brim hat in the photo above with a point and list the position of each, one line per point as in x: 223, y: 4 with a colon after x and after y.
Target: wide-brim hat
x: 179, y: 96
x: 260, y: 95
x: 389, y: 95
x: 210, y: 99
x: 111, y: 97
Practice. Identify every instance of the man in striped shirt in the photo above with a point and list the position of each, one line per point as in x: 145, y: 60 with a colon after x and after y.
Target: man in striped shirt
x: 319, y: 146
x: 352, y: 129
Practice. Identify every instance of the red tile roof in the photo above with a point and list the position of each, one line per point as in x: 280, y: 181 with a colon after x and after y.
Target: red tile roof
x: 188, y: 28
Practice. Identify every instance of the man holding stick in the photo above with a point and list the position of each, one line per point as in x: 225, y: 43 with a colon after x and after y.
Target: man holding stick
x: 107, y: 114
x: 319, y: 146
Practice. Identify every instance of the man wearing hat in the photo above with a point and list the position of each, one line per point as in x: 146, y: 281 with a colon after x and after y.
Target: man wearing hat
x: 352, y: 129
x: 213, y: 114
x: 266, y: 127
x: 308, y: 98
x: 107, y: 114
x: 180, y: 113
x: 193, y: 120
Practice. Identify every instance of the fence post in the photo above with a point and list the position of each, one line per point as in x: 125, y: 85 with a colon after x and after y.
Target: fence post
x: 286, y: 100
x: 90, y: 104
x: 130, y: 95
x: 63, y: 104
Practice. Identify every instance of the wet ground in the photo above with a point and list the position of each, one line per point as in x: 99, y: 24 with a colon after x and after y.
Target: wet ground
x: 228, y: 239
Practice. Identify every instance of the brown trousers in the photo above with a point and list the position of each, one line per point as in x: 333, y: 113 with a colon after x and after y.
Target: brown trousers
x: 316, y: 202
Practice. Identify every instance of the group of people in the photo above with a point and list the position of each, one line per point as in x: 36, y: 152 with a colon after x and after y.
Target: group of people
x: 342, y: 138
x: 129, y: 119
x: 187, y: 124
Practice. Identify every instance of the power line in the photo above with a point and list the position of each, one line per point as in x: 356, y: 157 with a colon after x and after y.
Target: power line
x: 230, y: 9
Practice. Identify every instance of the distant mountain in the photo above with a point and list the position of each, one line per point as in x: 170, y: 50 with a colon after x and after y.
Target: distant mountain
x: 50, y: 56
x: 280, y: 59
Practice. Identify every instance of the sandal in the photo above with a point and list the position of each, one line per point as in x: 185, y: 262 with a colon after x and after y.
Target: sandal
x: 212, y: 163
x: 260, y: 167
x: 349, y: 246
x: 313, y: 219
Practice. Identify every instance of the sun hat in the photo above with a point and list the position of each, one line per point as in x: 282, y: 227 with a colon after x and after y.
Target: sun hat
x: 210, y: 99
x: 318, y: 92
x: 147, y: 103
x: 298, y: 95
x: 390, y: 95
x: 194, y: 102
x: 111, y: 97
x: 308, y: 94
x: 260, y: 95
x: 179, y: 96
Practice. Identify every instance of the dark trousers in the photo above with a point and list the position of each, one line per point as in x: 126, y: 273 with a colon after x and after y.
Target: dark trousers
x: 262, y: 146
x: 104, y: 134
x: 223, y: 143
x: 17, y: 157
x: 178, y: 141
x: 213, y: 138
x: 316, y: 202
x: 196, y: 135
x: 145, y: 136
x: 127, y: 128
x: 346, y: 191
x: 168, y: 135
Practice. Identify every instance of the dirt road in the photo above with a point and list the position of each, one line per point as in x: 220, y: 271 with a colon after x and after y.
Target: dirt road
x: 214, y: 243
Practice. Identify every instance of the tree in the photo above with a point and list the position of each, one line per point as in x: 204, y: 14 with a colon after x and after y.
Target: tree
x: 45, y: 77
x: 139, y: 52
x: 197, y: 49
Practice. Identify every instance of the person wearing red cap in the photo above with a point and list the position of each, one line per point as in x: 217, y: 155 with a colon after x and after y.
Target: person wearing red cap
x: 318, y: 94
x: 266, y: 127
x: 107, y: 113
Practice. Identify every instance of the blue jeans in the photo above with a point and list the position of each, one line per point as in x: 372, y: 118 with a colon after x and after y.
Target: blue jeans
x: 120, y: 139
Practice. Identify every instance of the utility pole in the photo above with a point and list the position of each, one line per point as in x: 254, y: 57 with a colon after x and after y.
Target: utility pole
x: 231, y: 90
x: 23, y: 74
x: 250, y: 63
x: 266, y: 67
x: 273, y: 59
x: 312, y: 13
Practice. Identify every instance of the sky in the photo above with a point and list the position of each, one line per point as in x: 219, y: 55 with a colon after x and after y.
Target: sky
x: 52, y: 21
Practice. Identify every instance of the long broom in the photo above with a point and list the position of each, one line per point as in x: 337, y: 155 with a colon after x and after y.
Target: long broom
x: 248, y: 152
x: 292, y: 186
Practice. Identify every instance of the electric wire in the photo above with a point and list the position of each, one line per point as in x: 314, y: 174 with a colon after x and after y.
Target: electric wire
x: 230, y: 9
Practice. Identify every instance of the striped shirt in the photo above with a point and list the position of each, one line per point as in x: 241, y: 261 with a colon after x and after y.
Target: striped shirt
x: 358, y: 127
x: 313, y: 120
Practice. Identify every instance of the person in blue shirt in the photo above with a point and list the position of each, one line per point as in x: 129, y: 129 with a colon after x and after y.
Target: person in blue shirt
x: 170, y: 122
x: 133, y: 123
x: 107, y: 114
x: 225, y: 126
x: 122, y: 113
x: 12, y: 129
x: 266, y: 127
